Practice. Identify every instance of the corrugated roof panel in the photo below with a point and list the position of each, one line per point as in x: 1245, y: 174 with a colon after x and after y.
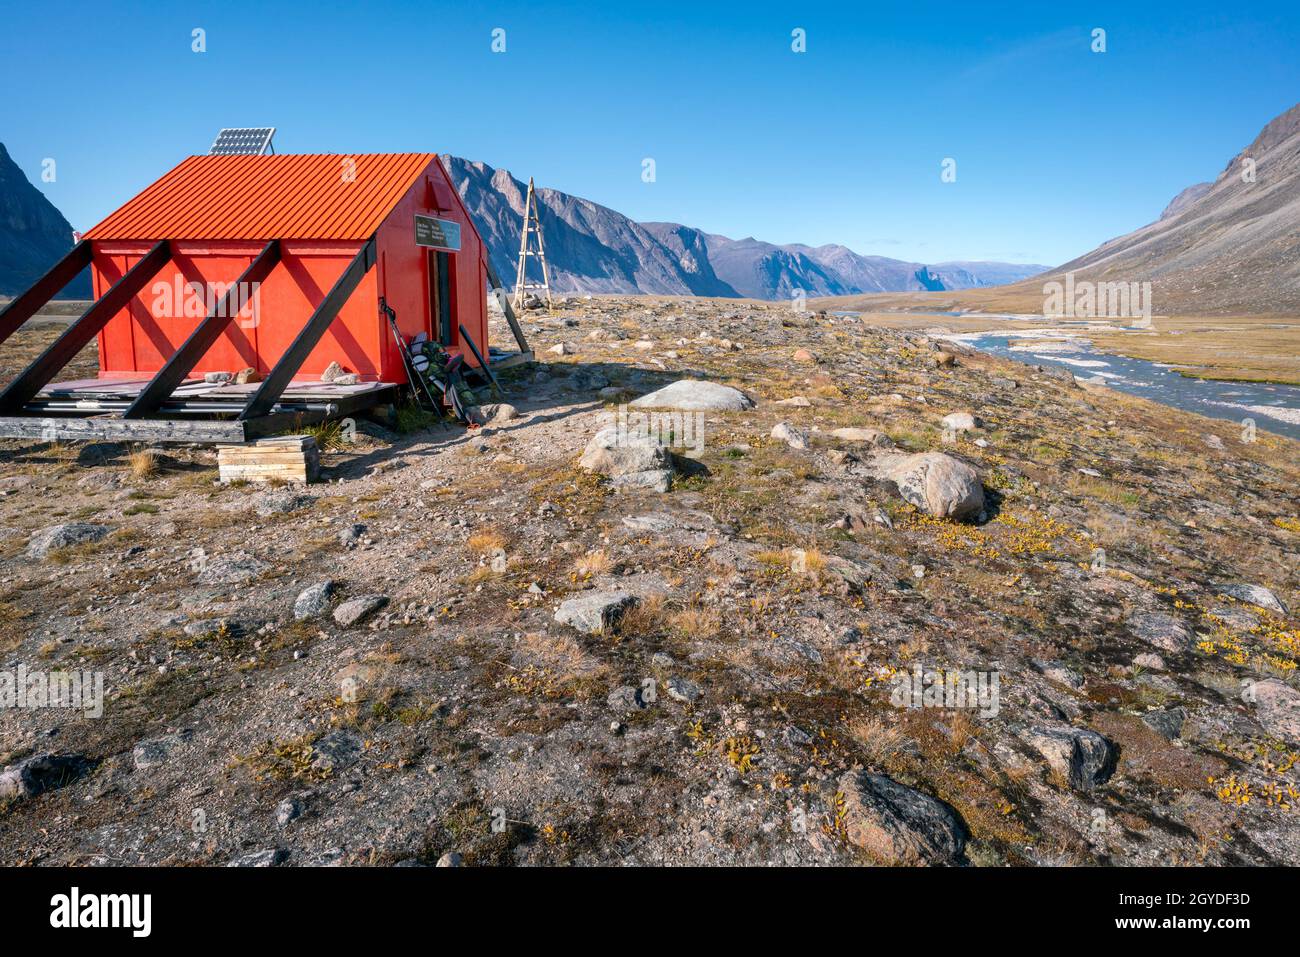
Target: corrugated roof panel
x: 285, y: 196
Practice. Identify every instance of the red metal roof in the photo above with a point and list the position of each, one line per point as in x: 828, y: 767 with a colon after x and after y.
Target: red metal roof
x: 285, y: 196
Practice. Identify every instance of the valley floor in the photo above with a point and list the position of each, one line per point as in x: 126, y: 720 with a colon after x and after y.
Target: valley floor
x: 1248, y: 348
x: 428, y: 705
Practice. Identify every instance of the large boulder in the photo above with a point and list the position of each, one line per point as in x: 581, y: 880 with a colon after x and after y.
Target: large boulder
x: 629, y: 459
x: 896, y: 824
x: 934, y: 482
x: 695, y: 395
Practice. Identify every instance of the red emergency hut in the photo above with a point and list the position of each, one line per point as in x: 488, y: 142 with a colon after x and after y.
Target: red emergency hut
x: 273, y: 262
x: 220, y: 212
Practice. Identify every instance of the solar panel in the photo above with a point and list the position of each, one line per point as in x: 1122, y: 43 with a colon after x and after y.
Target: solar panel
x: 243, y: 141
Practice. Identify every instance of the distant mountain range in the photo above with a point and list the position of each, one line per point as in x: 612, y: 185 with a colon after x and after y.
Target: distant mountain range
x: 591, y: 248
x: 33, y: 234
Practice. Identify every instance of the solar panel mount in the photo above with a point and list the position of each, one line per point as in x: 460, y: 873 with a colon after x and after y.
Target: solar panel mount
x: 243, y: 141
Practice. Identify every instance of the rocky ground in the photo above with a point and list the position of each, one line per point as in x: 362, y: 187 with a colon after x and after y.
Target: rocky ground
x: 513, y: 645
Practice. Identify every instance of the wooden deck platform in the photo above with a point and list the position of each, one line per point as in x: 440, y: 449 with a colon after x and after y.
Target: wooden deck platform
x: 197, y: 411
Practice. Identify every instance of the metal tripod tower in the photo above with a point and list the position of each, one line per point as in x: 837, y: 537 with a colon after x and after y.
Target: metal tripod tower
x: 532, y: 226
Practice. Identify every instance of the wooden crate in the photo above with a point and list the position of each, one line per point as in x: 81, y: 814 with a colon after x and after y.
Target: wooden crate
x: 286, y: 458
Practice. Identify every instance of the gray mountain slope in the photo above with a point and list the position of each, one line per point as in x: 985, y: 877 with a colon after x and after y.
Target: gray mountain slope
x: 1232, y: 245
x: 33, y: 234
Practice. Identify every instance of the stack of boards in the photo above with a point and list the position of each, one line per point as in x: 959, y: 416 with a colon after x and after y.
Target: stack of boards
x: 285, y: 458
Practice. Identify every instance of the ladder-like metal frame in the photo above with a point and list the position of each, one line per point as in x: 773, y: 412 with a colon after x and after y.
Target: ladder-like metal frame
x: 532, y: 226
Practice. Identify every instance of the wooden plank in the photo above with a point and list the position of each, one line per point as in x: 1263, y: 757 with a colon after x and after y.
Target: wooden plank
x: 513, y: 359
x: 287, y: 458
x: 113, y: 429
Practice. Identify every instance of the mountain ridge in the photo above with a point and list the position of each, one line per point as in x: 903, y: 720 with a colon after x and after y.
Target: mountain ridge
x: 591, y: 248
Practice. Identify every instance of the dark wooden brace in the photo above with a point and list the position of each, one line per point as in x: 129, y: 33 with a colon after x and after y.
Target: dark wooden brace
x: 184, y: 359
x: 482, y: 363
x: 268, y: 393
x: 45, y: 289
x: 508, y: 309
x: 62, y: 351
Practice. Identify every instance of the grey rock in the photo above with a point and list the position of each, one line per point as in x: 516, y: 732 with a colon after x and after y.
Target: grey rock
x: 1235, y: 617
x: 1166, y: 722
x: 1256, y: 595
x: 934, y: 482
x: 157, y: 751
x: 656, y: 480
x: 1163, y: 631
x: 896, y: 824
x: 64, y: 536
x: 351, y: 534
x: 357, y: 610
x: 1084, y: 758
x: 451, y: 859
x: 1277, y: 706
x: 267, y: 858
x: 597, y: 611
x: 40, y: 773
x: 683, y: 689
x: 314, y: 601
x: 335, y: 751
x: 695, y: 395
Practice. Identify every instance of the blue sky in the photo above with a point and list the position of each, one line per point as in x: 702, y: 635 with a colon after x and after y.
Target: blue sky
x: 1057, y: 148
